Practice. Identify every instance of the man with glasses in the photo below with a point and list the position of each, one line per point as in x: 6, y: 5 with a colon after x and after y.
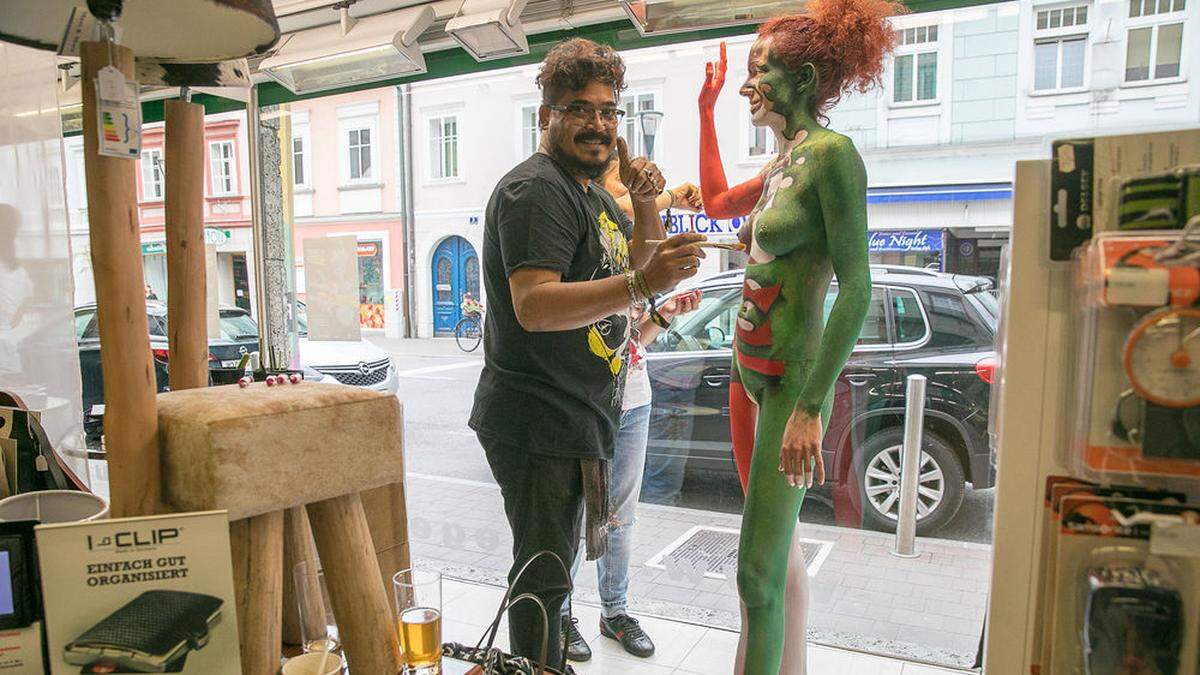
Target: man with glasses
x: 562, y: 264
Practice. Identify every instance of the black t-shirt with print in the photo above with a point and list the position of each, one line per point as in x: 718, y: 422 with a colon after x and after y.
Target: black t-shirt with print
x: 556, y: 393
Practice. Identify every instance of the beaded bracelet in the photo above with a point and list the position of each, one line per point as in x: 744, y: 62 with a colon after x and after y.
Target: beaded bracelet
x: 632, y: 287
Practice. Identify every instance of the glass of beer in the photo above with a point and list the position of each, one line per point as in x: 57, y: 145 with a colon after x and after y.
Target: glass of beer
x: 419, y: 620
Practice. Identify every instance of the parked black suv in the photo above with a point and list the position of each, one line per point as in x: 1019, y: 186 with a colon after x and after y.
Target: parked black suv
x: 239, y: 334
x: 920, y: 321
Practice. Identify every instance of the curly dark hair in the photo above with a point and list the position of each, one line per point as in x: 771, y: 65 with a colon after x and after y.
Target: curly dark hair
x: 573, y: 64
x: 846, y: 40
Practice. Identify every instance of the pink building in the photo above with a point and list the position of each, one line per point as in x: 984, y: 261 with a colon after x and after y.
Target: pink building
x: 345, y: 152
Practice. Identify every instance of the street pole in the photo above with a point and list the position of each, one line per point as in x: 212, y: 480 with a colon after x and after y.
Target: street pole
x: 910, y: 467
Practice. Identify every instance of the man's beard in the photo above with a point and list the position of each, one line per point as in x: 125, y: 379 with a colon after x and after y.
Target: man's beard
x: 574, y: 165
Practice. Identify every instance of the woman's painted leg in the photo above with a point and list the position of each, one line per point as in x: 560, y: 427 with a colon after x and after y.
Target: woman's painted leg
x: 768, y: 525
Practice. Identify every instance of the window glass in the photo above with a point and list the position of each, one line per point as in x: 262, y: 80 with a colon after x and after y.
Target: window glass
x: 710, y: 327
x: 902, y: 86
x: 152, y: 177
x: 237, y: 326
x: 631, y: 128
x: 1045, y: 68
x: 1137, y: 55
x: 762, y: 141
x: 531, y: 135
x: 82, y: 320
x: 445, y: 279
x: 927, y: 76
x: 359, y: 146
x: 443, y: 151
x: 1073, y: 54
x: 221, y: 157
x: 298, y: 176
x: 874, y: 329
x: 952, y: 325
x: 906, y: 313
x: 158, y: 324
x: 1170, y: 44
x: 472, y: 276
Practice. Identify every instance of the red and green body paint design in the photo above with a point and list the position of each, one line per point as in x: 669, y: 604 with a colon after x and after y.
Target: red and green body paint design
x: 807, y: 223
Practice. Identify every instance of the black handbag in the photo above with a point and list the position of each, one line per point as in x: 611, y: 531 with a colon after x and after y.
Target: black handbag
x: 492, y: 659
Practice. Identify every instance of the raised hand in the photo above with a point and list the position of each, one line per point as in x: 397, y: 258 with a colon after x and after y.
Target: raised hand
x: 639, y: 175
x: 714, y: 80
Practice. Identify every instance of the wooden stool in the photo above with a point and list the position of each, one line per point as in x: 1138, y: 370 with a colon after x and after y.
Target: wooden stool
x: 259, y: 451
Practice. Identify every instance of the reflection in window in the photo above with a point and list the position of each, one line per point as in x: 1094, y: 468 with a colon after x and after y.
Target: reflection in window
x: 906, y: 313
x: 445, y: 274
x: 952, y: 325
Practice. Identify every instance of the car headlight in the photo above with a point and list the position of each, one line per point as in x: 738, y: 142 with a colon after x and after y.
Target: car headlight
x: 311, y: 374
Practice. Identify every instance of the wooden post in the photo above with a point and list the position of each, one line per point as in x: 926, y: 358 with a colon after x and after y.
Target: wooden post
x: 387, y: 518
x: 297, y: 547
x: 187, y: 304
x: 131, y: 416
x: 362, y: 609
x: 257, y: 548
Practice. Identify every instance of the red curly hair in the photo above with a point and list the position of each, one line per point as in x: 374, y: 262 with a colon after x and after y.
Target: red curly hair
x: 845, y: 39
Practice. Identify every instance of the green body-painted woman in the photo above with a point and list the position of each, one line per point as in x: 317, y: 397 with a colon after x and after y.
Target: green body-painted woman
x: 808, y: 222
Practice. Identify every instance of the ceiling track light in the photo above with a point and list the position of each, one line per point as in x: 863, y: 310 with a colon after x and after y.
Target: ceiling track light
x: 490, y: 29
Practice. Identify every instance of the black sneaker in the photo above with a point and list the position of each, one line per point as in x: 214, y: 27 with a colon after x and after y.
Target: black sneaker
x: 577, y: 647
x: 625, y: 629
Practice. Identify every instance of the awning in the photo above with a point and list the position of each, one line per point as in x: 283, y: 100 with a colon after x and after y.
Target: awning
x: 961, y: 192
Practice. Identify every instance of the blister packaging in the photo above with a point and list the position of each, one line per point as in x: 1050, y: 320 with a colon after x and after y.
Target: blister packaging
x: 1138, y: 371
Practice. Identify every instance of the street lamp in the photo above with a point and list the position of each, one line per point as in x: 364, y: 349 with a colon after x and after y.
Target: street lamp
x: 650, y: 121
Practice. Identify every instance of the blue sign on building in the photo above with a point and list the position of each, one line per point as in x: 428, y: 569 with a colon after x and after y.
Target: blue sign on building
x: 699, y: 222
x: 914, y: 241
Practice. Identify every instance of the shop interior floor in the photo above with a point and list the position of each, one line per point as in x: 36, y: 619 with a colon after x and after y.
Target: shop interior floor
x: 682, y: 648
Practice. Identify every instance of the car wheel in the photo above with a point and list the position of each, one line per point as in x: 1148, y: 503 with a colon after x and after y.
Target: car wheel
x: 939, y: 493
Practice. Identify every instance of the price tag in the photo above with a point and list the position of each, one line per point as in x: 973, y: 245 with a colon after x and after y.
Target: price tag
x: 1175, y: 539
x: 119, y: 122
x: 111, y: 85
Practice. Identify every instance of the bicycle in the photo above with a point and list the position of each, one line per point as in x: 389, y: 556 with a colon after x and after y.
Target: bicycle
x: 468, y: 333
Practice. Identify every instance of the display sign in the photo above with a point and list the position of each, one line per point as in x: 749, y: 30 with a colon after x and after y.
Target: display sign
x: 913, y: 241
x: 154, y: 247
x: 331, y: 279
x: 152, y: 594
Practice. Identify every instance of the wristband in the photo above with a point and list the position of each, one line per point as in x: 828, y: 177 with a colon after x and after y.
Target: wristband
x: 670, y: 194
x: 632, y: 287
x: 639, y: 278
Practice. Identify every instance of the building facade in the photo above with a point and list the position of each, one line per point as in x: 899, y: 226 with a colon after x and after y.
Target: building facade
x: 967, y: 93
x: 226, y: 210
x: 345, y: 158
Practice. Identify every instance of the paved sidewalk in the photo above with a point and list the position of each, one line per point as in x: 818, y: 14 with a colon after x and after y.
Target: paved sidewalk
x: 930, y: 608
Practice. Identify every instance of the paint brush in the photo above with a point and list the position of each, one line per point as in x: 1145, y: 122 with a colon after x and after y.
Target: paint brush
x: 736, y: 246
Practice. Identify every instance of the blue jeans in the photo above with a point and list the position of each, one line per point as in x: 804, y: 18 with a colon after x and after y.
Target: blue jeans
x: 624, y: 487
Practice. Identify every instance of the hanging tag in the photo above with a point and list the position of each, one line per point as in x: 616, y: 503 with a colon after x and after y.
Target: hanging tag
x: 111, y: 85
x: 119, y: 122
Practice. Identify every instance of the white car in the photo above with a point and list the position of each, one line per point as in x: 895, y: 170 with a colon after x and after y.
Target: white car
x: 355, y: 363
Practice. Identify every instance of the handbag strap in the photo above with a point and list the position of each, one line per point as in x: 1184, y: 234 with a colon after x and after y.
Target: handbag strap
x: 490, y: 634
x: 541, y: 663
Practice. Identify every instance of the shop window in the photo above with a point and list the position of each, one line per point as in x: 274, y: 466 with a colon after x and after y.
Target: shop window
x: 358, y: 149
x: 152, y: 175
x: 910, y: 322
x: 631, y: 124
x: 915, y: 67
x: 443, y: 147
x: 1154, y: 48
x: 221, y: 158
x: 531, y: 134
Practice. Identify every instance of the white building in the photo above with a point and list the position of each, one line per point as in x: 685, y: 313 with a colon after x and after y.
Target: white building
x: 966, y: 94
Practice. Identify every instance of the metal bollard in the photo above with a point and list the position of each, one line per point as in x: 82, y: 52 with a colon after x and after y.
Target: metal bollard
x: 910, y: 467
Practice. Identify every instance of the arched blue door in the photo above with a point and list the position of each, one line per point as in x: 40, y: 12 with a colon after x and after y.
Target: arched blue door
x: 455, y: 271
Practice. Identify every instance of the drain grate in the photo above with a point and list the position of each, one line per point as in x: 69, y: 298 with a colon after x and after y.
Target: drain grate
x: 712, y: 552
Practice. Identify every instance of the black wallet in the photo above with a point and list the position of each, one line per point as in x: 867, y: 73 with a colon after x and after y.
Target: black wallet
x: 152, y: 633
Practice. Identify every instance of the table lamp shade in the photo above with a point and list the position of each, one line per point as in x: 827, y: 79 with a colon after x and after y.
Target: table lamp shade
x: 178, y: 30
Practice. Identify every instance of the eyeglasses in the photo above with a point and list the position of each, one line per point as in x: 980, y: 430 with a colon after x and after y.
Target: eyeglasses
x: 588, y: 112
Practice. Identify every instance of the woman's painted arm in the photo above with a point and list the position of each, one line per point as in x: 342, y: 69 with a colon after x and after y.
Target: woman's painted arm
x: 842, y: 190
